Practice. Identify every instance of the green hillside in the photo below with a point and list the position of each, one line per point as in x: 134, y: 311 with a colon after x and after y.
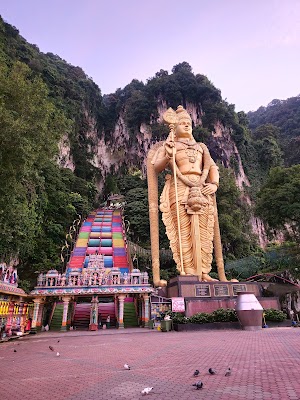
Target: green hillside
x: 285, y: 116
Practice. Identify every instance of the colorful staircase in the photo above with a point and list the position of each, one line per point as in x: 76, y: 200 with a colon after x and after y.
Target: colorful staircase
x: 101, y: 233
x: 105, y: 309
x: 82, y: 314
x: 56, y: 319
x: 130, y: 316
x: 81, y: 318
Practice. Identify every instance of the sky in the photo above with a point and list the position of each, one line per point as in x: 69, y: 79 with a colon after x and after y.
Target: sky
x: 249, y: 49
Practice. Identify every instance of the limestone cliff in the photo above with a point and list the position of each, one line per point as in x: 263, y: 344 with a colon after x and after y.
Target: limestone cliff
x: 111, y: 152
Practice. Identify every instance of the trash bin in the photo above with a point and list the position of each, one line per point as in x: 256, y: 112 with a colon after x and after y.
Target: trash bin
x: 151, y: 324
x: 166, y: 326
x: 249, y: 311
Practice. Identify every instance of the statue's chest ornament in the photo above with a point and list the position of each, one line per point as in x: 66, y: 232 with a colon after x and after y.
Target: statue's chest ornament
x: 192, y: 154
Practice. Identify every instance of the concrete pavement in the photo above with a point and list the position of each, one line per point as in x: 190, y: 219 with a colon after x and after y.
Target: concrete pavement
x: 265, y: 365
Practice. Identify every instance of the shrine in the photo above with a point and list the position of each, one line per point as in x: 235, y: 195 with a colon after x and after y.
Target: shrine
x: 15, y: 305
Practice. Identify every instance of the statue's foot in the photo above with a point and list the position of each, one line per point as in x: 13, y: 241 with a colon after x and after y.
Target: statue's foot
x: 207, y: 278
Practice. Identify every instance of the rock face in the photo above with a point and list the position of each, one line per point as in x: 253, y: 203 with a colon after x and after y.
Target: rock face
x: 65, y: 158
x: 122, y: 150
x: 223, y: 149
x: 120, y: 147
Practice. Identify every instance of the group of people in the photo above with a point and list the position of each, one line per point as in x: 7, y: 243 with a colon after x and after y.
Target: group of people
x: 100, y: 322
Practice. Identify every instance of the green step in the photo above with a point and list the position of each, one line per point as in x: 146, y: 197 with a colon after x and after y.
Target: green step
x: 130, y: 318
x: 56, y: 321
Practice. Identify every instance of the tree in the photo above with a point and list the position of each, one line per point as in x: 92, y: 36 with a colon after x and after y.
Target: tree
x: 285, y: 116
x: 236, y: 238
x: 182, y: 67
x: 267, y: 130
x: 30, y: 128
x: 278, y: 201
x: 136, y: 212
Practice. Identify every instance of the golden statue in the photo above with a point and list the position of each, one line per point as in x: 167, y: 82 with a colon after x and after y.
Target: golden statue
x: 187, y: 203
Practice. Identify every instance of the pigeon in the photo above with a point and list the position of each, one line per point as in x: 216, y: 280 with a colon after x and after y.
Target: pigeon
x: 147, y: 390
x: 126, y: 366
x: 199, y: 385
x: 51, y: 348
x: 15, y: 350
x: 228, y: 372
x: 57, y: 354
x: 212, y: 371
x: 197, y: 372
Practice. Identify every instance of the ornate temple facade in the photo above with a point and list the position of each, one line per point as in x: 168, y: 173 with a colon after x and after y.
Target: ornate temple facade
x: 100, y: 288
x: 15, y: 305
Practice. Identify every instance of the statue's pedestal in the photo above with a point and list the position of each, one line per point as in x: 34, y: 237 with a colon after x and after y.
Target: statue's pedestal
x: 93, y: 327
x: 210, y: 296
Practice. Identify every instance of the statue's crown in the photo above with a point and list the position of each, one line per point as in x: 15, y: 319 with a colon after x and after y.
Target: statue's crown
x: 173, y: 117
x: 182, y: 113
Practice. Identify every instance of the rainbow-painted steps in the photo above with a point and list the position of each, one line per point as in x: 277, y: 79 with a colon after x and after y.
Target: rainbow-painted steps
x: 102, y: 233
x: 55, y: 323
x: 81, y: 318
x: 130, y: 316
x: 82, y: 314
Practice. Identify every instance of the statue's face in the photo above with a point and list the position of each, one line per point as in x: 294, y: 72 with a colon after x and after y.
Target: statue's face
x: 184, y: 128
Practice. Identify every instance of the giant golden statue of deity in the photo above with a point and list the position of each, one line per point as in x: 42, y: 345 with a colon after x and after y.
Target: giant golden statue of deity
x: 187, y: 203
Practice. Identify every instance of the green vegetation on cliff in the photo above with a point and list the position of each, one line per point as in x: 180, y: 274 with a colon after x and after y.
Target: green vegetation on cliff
x: 285, y: 116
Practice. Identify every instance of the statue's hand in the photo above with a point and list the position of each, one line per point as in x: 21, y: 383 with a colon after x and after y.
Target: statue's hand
x: 169, y: 147
x: 209, y: 188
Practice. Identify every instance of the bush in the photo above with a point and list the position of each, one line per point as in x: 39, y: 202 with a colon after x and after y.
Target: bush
x: 220, y: 315
x: 179, y: 318
x: 201, y: 318
x: 224, y: 315
x: 274, y: 315
x: 176, y: 317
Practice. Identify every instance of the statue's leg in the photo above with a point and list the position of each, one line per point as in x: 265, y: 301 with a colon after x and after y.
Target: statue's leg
x: 196, y: 244
x: 186, y: 240
x: 206, y: 224
x: 207, y: 278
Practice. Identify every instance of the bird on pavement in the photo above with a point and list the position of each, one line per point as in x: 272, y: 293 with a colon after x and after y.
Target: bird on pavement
x: 51, y: 348
x: 228, y: 372
x: 198, y: 385
x: 212, y: 371
x: 126, y: 366
x: 197, y: 372
x: 147, y: 390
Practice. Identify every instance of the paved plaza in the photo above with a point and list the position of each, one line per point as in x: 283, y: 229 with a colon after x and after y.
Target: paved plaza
x: 265, y: 365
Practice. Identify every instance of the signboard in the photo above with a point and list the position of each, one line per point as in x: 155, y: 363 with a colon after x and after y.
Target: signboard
x: 221, y: 290
x: 238, y: 288
x: 202, y: 290
x: 178, y: 304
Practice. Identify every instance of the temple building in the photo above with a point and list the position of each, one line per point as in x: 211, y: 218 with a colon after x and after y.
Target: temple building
x: 15, y: 305
x: 99, y: 288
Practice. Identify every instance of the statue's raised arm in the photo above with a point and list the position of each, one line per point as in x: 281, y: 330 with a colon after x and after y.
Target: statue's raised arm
x: 187, y: 203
